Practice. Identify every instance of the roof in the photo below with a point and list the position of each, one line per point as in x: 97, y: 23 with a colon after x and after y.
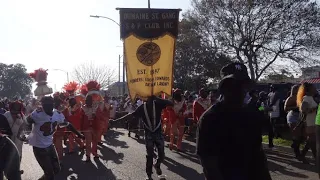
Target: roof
x: 116, y: 84
x: 311, y: 81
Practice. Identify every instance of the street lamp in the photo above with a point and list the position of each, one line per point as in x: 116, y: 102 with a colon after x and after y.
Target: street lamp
x: 96, y: 16
x: 64, y: 72
x: 123, y: 56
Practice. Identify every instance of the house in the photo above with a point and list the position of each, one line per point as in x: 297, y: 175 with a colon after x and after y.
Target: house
x: 116, y: 89
x: 311, y: 75
x: 311, y: 72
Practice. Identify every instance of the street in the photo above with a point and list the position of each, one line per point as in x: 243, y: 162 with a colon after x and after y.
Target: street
x: 124, y: 158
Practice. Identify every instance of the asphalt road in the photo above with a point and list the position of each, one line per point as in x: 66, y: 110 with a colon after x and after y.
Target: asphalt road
x: 123, y: 158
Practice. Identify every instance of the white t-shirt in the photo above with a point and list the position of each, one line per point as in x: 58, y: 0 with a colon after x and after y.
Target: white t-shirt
x: 275, y: 113
x: 44, y: 127
x: 311, y: 117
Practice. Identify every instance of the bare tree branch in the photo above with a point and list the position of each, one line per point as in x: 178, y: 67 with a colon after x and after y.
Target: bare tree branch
x: 90, y: 71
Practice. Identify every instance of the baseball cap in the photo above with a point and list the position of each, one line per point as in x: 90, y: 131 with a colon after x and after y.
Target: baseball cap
x: 237, y: 71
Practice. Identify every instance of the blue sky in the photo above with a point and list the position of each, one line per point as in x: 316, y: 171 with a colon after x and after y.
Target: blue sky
x: 60, y: 34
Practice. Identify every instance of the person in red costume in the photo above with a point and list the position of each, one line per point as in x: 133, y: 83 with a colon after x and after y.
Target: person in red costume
x: 73, y: 114
x: 200, y: 105
x: 165, y: 119
x: 60, y: 133
x: 165, y: 122
x: 177, y: 119
x: 93, y: 121
x: 189, y: 113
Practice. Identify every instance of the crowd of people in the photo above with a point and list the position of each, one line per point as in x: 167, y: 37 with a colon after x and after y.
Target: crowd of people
x: 224, y: 119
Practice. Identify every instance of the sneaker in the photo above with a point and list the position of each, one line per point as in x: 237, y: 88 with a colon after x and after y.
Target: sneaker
x: 149, y: 178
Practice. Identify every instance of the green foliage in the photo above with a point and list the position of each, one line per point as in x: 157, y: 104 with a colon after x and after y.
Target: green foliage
x: 14, y: 81
x: 196, y: 62
x: 284, y: 76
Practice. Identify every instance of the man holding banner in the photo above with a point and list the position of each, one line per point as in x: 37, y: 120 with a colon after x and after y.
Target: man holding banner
x: 149, y: 37
x: 150, y: 113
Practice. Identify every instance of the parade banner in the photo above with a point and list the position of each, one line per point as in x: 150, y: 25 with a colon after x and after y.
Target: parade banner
x: 149, y: 37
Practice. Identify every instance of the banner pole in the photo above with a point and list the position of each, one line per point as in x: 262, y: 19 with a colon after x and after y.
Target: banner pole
x: 149, y: 6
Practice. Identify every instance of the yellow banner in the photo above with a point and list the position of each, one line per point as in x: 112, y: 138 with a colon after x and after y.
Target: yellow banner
x: 149, y: 65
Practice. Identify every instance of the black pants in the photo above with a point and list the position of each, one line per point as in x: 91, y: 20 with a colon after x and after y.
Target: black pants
x: 272, y: 130
x: 154, y: 140
x: 9, y: 160
x: 48, y: 160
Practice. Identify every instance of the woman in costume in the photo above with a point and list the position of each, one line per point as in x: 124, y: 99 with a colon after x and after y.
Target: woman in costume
x: 165, y: 119
x: 58, y: 136
x: 177, y: 119
x: 93, y: 121
x: 73, y: 115
x: 81, y: 97
x: 308, y: 107
x: 291, y: 107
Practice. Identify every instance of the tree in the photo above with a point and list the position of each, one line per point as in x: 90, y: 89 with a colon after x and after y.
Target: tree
x: 260, y: 32
x: 89, y: 71
x: 195, y: 61
x: 283, y: 76
x: 14, y: 81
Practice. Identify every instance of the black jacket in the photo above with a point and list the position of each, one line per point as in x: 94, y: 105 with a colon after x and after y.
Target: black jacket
x: 229, y: 144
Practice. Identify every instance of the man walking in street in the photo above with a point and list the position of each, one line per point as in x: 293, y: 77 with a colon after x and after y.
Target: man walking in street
x: 150, y: 112
x: 229, y: 142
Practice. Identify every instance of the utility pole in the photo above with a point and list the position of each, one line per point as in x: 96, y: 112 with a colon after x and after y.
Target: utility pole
x: 123, y: 72
x: 149, y: 4
x: 68, y: 77
x: 119, y: 87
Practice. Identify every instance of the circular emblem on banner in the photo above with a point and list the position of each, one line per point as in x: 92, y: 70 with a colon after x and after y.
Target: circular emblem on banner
x: 148, y: 53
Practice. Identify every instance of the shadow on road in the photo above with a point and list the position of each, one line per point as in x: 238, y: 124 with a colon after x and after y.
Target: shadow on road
x: 111, y: 155
x: 184, y: 171
x: 74, y: 168
x: 189, y: 156
x: 286, y: 164
x: 111, y: 138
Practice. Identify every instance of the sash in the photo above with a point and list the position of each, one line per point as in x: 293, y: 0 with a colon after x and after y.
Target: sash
x: 204, y: 103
